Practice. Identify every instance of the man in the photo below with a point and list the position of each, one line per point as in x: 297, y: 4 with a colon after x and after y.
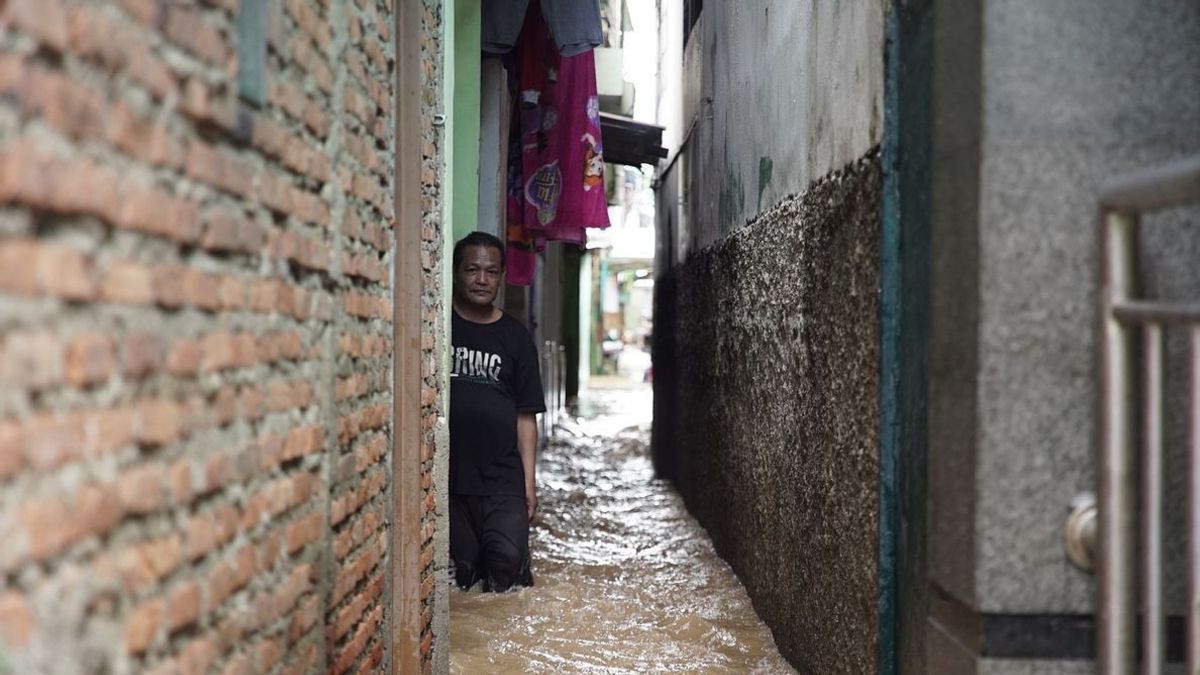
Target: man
x: 495, y: 396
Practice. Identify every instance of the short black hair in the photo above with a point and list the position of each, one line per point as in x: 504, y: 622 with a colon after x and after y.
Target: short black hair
x: 478, y: 239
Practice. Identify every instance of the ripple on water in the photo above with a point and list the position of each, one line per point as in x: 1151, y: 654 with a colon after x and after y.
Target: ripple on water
x: 626, y: 581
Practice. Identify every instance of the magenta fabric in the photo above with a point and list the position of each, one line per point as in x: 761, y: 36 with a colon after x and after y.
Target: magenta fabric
x: 521, y: 263
x: 556, y: 155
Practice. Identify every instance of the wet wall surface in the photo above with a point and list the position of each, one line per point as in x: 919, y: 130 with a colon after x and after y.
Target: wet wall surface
x: 767, y: 414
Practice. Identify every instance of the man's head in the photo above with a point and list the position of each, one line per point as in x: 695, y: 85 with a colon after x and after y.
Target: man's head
x: 478, y: 269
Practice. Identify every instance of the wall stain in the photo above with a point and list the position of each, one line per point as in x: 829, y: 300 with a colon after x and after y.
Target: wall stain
x: 765, y: 168
x: 731, y: 202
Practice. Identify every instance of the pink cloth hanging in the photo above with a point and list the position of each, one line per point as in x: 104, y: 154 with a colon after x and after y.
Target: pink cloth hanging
x: 556, y: 155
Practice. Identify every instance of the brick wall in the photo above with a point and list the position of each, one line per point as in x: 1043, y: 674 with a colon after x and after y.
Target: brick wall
x: 434, y: 347
x: 196, y: 337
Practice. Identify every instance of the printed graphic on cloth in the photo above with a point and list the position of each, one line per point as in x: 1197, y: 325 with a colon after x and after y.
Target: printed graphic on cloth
x: 476, y: 365
x: 555, y: 151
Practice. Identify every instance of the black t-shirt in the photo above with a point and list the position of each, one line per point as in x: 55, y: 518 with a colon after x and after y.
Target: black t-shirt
x: 493, y: 376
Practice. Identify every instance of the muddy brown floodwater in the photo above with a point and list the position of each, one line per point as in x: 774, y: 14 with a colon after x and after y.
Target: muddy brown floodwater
x: 625, y: 581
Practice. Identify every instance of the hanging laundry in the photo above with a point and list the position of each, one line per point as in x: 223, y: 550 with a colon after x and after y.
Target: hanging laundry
x: 555, y: 154
x: 574, y: 25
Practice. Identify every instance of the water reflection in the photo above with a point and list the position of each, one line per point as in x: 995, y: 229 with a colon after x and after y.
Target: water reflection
x: 626, y: 581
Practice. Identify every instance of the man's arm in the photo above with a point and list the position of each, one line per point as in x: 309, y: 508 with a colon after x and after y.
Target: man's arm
x: 527, y: 447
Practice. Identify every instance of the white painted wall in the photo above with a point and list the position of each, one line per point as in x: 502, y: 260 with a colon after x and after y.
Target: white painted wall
x: 787, y: 92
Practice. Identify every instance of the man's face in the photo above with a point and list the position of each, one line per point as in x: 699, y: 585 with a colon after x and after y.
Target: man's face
x: 477, y: 279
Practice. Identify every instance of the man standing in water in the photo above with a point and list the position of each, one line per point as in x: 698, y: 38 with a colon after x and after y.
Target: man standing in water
x: 495, y: 396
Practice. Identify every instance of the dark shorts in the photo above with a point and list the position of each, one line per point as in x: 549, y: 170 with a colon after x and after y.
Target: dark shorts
x: 489, y: 540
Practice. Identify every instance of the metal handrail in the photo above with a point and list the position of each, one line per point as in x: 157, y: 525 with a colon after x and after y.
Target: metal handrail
x: 1122, y: 201
x: 554, y: 386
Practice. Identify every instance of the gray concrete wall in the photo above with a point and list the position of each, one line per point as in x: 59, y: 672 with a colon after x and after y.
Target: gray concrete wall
x: 1075, y: 92
x: 1057, y: 98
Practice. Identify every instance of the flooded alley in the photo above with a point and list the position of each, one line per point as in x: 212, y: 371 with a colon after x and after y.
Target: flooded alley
x: 625, y: 580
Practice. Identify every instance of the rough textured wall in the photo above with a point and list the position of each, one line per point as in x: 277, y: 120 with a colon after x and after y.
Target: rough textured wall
x: 766, y: 371
x: 195, y: 337
x: 435, y: 440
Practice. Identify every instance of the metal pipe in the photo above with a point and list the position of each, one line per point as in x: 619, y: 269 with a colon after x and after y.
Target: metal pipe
x: 1152, y: 487
x: 562, y: 378
x: 1193, y: 611
x: 1116, y: 585
x: 1155, y: 188
x: 1150, y: 311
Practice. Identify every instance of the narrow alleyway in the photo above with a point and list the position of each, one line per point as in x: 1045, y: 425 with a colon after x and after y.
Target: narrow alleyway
x: 625, y: 580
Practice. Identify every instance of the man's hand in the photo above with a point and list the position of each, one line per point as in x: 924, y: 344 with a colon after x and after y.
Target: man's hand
x: 531, y: 501
x: 527, y: 448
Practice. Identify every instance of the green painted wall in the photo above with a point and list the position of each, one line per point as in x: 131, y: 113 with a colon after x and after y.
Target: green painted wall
x: 462, y: 115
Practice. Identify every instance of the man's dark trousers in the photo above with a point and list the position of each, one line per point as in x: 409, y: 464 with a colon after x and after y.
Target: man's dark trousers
x: 489, y: 540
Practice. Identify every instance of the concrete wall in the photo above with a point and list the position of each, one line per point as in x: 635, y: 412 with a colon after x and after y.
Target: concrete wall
x: 196, y: 336
x: 788, y: 92
x: 1053, y: 100
x: 766, y: 309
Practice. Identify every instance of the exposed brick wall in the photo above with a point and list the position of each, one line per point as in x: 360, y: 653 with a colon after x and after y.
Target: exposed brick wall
x: 196, y: 337
x: 433, y: 339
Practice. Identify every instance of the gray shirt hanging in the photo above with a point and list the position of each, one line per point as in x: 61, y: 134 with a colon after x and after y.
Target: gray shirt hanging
x: 574, y: 24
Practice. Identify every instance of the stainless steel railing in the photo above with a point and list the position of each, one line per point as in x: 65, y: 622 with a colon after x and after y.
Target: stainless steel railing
x: 1124, y: 317
x: 554, y: 385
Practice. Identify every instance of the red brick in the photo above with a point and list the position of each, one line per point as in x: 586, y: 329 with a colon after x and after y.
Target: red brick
x: 304, y: 532
x: 220, y: 351
x: 185, y: 357
x: 141, y: 354
x: 242, y: 664
x: 268, y: 653
x: 10, y: 448
x: 145, y: 11
x: 202, y: 289
x: 32, y: 360
x: 188, y: 29
x: 141, y: 138
x: 183, y: 482
x: 18, y: 268
x: 231, y: 293
x: 158, y: 422
x: 183, y: 605
x: 91, y: 358
x: 303, y: 441
x: 16, y: 621
x: 197, y: 657
x: 168, y: 285
x: 142, y: 489
x: 268, y: 551
x: 142, y: 625
x: 53, y: 524
x: 127, y: 282
x: 53, y: 439
x: 44, y: 19
x: 146, y: 564
x: 304, y: 619
x: 109, y: 430
x: 152, y: 210
x: 65, y: 273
